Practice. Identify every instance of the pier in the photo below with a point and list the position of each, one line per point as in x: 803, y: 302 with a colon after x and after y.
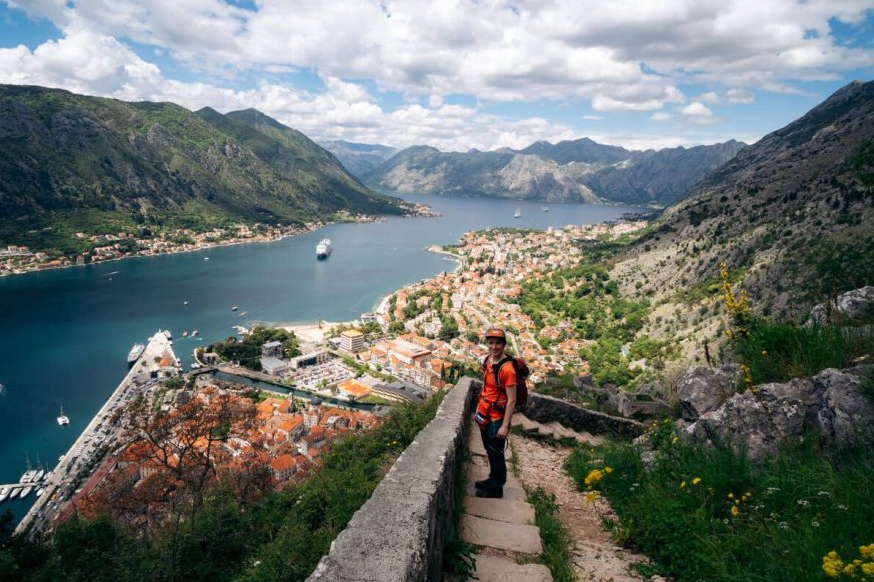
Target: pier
x: 154, y: 365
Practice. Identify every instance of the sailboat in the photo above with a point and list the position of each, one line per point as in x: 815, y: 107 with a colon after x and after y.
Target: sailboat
x: 518, y: 212
x: 63, y: 420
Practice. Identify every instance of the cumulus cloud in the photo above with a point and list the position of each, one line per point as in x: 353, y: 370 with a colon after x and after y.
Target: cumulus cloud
x: 621, y: 57
x: 698, y: 113
x: 554, y: 49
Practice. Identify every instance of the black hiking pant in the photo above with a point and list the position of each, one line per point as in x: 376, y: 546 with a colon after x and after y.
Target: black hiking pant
x: 494, y: 446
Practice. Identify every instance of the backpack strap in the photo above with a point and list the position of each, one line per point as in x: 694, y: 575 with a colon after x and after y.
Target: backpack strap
x: 496, y: 368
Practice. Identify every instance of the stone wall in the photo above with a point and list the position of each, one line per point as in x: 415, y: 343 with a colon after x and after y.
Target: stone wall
x: 545, y: 409
x: 398, y: 534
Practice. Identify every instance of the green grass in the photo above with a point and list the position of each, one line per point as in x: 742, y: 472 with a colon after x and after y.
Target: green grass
x: 776, y: 353
x: 802, y: 505
x: 557, y: 543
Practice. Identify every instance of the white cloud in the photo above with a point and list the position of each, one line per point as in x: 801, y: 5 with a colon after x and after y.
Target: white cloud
x: 698, y: 113
x: 593, y: 117
x: 709, y: 97
x: 739, y: 97
x: 661, y: 116
x: 554, y: 49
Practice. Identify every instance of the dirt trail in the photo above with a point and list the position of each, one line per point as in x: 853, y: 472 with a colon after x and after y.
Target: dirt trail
x: 595, y: 557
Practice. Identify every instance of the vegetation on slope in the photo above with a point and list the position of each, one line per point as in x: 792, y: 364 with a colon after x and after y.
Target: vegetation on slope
x: 72, y: 163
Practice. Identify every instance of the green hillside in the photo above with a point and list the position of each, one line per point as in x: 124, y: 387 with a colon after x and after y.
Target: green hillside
x: 72, y: 163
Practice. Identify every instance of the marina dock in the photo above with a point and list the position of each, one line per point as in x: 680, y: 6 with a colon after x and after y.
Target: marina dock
x: 156, y: 363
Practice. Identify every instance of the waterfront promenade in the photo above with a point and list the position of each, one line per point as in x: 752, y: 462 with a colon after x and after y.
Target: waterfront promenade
x: 101, y: 434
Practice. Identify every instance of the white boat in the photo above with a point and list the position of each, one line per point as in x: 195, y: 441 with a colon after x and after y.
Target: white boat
x: 323, y: 249
x: 62, y: 419
x: 4, y: 494
x: 518, y: 213
x: 38, y: 477
x: 134, y: 354
x: 26, y: 491
x: 15, y: 492
x: 40, y: 491
x: 544, y: 208
x: 28, y: 476
x: 234, y: 308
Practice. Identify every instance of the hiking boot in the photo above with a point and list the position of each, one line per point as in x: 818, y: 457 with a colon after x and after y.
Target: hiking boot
x: 491, y: 492
x: 482, y: 484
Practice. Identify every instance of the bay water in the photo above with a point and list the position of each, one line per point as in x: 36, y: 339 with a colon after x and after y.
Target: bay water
x: 65, y: 334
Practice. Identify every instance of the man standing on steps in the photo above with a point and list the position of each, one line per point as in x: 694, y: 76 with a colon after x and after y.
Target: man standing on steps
x: 494, y: 411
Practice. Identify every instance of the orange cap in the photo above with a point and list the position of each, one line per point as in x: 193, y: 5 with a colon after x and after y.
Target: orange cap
x: 496, y: 333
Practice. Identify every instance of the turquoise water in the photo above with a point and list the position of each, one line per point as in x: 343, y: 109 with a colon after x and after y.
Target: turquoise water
x: 65, y: 334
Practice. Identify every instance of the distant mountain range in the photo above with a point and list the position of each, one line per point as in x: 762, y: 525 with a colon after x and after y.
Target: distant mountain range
x: 570, y: 171
x: 70, y: 162
x: 358, y: 158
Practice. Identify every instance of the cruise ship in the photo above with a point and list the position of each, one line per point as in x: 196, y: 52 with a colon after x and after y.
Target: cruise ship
x: 135, y: 352
x: 323, y: 249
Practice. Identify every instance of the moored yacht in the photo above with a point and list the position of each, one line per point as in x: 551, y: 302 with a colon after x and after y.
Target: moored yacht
x: 26, y: 491
x: 518, y: 213
x: 4, y: 494
x: 62, y: 419
x: 135, y: 352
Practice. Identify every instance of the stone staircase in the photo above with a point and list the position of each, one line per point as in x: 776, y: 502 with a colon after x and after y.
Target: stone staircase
x: 502, y: 529
x: 553, y: 430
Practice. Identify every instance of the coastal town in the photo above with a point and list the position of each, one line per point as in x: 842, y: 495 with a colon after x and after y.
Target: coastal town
x: 261, y: 423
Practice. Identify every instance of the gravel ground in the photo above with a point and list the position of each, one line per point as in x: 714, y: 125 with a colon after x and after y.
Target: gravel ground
x: 596, y: 558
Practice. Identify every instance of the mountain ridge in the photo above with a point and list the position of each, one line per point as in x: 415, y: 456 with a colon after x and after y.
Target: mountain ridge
x: 571, y: 171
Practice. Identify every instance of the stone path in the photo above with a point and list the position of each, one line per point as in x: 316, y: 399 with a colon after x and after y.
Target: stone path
x: 502, y: 529
x: 595, y: 557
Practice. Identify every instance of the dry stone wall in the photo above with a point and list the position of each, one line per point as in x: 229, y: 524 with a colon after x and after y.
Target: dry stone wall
x: 398, y: 534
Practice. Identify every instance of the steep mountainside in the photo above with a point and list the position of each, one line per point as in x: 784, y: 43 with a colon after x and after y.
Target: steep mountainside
x: 791, y: 216
x: 662, y: 176
x: 571, y: 171
x: 359, y: 158
x: 89, y: 162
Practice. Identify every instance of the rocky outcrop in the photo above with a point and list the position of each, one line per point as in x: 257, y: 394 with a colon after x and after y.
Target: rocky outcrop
x: 702, y: 389
x: 854, y: 307
x: 830, y: 405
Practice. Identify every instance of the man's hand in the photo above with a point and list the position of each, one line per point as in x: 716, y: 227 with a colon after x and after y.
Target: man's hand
x: 503, y: 432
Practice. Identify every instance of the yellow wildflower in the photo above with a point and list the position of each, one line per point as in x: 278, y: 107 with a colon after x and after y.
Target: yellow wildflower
x: 731, y: 495
x: 683, y: 485
x: 591, y: 496
x: 734, y: 510
x: 593, y: 477
x: 867, y: 552
x: 832, y: 565
x: 608, y: 470
x: 696, y: 480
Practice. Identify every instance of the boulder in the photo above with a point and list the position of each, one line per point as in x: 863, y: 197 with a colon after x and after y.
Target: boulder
x: 854, y: 307
x: 701, y: 389
x: 831, y: 404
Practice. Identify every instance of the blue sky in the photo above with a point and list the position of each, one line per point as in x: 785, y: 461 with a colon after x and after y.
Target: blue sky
x: 457, y: 74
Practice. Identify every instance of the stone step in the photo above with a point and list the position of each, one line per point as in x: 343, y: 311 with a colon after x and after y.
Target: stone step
x: 555, y: 430
x: 510, y: 493
x: 500, y: 535
x: 494, y: 569
x: 500, y: 509
x: 476, y: 472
